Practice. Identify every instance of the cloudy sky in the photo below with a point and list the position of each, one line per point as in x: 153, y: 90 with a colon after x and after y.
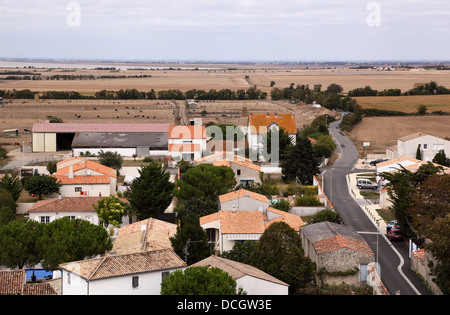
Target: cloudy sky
x: 232, y: 30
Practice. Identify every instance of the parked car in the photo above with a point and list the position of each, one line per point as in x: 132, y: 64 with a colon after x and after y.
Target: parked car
x: 363, y: 183
x: 394, y: 234
x: 375, y: 162
x: 390, y: 225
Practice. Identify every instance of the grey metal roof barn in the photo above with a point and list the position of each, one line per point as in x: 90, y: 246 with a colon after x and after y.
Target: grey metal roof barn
x: 152, y: 140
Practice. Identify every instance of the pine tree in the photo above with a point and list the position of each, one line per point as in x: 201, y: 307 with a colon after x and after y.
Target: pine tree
x: 151, y: 192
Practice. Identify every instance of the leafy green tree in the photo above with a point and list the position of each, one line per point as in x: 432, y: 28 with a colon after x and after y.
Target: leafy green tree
x: 282, y: 204
x: 205, y: 180
x: 52, y: 167
x: 441, y: 159
x: 326, y: 215
x: 41, y: 185
x: 7, y: 207
x: 190, y: 241
x: 421, y: 110
x: 111, y: 159
x: 300, y: 163
x: 284, y: 143
x: 280, y: 253
x: 11, y: 184
x: 110, y: 210
x: 151, y: 192
x: 65, y: 240
x: 199, y: 280
x: 18, y: 243
x: 241, y: 252
x: 401, y: 187
x: 200, y: 206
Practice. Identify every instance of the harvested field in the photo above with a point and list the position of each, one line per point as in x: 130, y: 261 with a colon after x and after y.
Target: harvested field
x: 383, y: 132
x: 240, y: 78
x: 407, y: 104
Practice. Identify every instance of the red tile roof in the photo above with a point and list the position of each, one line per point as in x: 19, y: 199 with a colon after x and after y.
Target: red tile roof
x: 68, y: 204
x: 120, y: 265
x: 12, y: 282
x: 260, y: 121
x: 86, y: 164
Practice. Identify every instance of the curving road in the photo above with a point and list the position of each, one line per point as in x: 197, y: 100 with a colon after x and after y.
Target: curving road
x: 393, y: 258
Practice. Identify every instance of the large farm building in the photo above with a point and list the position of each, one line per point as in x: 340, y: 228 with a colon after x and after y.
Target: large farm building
x: 125, y: 139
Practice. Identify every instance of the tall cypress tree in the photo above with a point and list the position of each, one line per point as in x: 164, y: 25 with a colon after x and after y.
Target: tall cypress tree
x: 301, y: 162
x: 151, y: 192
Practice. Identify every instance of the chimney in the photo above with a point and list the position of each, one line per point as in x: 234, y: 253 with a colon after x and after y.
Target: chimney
x: 70, y: 171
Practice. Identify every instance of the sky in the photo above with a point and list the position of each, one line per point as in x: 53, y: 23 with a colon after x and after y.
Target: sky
x: 232, y: 30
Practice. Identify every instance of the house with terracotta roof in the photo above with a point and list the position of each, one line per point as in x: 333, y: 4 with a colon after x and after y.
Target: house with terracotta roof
x: 187, y: 142
x: 428, y: 145
x: 145, y: 235
x: 81, y: 177
x: 243, y: 200
x: 13, y: 282
x: 245, y: 171
x: 224, y: 228
x: 46, y: 211
x: 252, y: 280
x: 129, y: 274
x: 259, y: 125
x: 339, y: 252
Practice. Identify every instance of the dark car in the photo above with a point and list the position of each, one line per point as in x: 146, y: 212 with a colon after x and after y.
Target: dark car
x: 375, y: 162
x: 395, y: 234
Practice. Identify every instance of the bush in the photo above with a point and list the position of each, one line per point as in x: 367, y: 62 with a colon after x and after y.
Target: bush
x: 307, y: 201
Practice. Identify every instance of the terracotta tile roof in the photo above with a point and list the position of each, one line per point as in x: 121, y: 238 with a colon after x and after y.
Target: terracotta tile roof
x: 328, y: 236
x: 65, y: 180
x: 260, y: 121
x: 120, y: 265
x: 241, y: 222
x: 251, y: 222
x: 68, y: 204
x: 294, y: 221
x: 242, y: 193
x: 240, y: 163
x: 149, y: 234
x: 88, y: 165
x: 236, y: 269
x: 187, y: 132
x: 12, y: 281
x: 45, y: 288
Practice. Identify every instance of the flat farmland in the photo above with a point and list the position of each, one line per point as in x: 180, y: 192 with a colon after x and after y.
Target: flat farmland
x: 383, y: 132
x: 407, y: 104
x: 221, y: 78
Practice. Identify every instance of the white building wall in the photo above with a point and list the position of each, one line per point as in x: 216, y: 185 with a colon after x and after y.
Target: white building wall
x: 255, y: 286
x: 244, y: 204
x: 92, y: 217
x: 122, y: 151
x: 429, y: 147
x: 149, y: 284
x: 94, y: 190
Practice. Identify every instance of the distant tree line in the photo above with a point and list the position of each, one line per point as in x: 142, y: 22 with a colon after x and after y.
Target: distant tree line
x: 431, y: 88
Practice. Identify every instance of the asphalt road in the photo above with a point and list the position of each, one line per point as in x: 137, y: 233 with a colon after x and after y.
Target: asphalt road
x: 393, y: 257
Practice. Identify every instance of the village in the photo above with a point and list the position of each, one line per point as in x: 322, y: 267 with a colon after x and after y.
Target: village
x: 172, y: 198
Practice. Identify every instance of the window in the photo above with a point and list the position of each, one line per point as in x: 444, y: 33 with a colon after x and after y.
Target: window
x: 135, y: 281
x: 164, y: 275
x: 238, y: 172
x: 45, y: 219
x: 68, y: 278
x: 425, y: 146
x: 71, y: 217
x: 78, y: 189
